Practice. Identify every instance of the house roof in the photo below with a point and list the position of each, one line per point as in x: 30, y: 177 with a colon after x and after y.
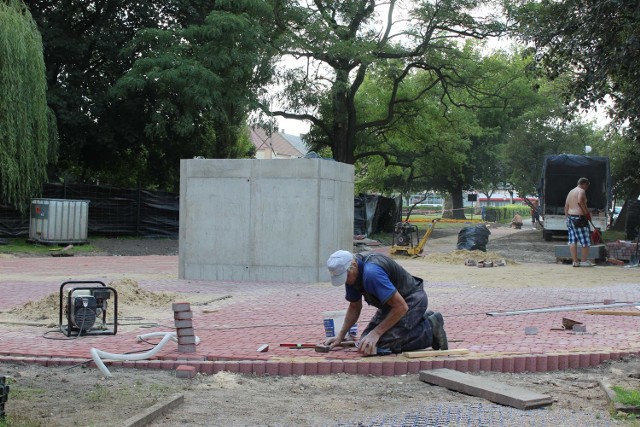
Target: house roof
x: 296, y: 141
x: 276, y: 142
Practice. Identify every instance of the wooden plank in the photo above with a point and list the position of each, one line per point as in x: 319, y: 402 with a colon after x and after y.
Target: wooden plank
x: 152, y: 413
x: 613, y: 312
x: 485, y: 388
x: 435, y: 353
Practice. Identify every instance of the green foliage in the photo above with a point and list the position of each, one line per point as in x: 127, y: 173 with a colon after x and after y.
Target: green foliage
x: 596, y: 43
x: 100, y: 393
x: 427, y: 144
x: 137, y: 86
x: 27, y: 136
x: 506, y: 213
x: 198, y: 83
x: 20, y: 421
x: 346, y: 42
x: 21, y: 246
x: 624, y: 155
x: 626, y: 396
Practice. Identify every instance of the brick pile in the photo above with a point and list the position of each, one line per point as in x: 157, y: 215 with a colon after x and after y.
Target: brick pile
x: 621, y: 249
x: 183, y: 318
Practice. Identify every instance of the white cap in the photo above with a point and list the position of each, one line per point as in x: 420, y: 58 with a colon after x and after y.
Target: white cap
x: 338, y: 263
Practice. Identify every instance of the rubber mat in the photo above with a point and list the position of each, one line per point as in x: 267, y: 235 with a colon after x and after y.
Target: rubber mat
x: 482, y: 415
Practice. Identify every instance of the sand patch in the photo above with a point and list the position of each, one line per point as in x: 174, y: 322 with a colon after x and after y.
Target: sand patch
x: 458, y: 257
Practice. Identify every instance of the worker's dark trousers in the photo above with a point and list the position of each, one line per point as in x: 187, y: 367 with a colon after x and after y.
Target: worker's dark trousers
x: 412, y: 332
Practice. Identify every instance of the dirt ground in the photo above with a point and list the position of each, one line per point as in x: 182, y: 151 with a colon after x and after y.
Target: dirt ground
x: 77, y: 396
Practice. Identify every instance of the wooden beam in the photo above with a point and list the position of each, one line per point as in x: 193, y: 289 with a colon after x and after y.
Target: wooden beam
x: 485, y: 388
x: 613, y: 312
x: 435, y: 353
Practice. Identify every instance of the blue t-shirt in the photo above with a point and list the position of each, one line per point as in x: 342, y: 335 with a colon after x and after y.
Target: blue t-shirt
x: 375, y: 281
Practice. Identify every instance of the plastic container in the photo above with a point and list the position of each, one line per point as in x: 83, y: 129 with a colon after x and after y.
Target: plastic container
x: 333, y: 321
x: 59, y: 221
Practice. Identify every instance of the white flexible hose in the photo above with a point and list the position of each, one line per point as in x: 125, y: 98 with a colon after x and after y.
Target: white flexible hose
x: 98, y: 354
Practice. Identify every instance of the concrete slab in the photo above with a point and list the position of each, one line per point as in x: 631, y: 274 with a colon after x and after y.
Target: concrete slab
x: 595, y: 251
x: 493, y: 391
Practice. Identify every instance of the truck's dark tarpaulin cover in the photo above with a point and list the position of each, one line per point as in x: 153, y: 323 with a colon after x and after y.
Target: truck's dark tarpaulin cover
x: 373, y: 214
x: 566, y: 169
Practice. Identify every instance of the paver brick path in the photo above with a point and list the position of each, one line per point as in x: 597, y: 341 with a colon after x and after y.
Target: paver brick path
x: 252, y: 314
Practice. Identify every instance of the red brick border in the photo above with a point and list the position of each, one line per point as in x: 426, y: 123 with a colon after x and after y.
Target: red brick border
x: 365, y: 366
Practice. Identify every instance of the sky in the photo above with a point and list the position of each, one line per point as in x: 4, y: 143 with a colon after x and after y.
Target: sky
x: 293, y: 127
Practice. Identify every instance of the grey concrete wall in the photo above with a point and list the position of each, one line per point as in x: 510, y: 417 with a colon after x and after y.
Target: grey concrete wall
x: 263, y: 220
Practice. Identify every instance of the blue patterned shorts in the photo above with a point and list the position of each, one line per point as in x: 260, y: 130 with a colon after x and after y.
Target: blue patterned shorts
x: 580, y: 235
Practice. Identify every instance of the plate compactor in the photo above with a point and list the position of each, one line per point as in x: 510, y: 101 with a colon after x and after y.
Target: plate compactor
x: 406, y: 240
x: 85, y: 308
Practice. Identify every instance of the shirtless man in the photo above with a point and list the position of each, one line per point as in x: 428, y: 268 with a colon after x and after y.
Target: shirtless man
x: 576, y: 211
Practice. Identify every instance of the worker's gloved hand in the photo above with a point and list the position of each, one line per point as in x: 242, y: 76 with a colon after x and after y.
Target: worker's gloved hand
x: 333, y: 341
x: 367, y: 344
x: 589, y: 216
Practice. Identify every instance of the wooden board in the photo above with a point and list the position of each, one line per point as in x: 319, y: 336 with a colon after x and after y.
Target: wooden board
x: 485, y: 388
x: 435, y: 353
x: 613, y: 312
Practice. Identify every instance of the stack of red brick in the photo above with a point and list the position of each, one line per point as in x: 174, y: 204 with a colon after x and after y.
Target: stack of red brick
x: 621, y: 249
x: 183, y: 318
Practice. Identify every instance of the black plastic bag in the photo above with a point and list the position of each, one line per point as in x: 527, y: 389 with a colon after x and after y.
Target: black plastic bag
x: 474, y: 238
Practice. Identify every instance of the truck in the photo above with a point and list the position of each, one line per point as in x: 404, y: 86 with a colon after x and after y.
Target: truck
x: 560, y: 174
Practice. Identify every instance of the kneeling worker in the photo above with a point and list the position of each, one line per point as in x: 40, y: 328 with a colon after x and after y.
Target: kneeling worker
x: 516, y: 222
x: 402, y: 322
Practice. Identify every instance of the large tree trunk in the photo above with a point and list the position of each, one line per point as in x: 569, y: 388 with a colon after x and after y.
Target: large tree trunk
x: 447, y: 207
x: 457, y: 202
x: 343, y: 123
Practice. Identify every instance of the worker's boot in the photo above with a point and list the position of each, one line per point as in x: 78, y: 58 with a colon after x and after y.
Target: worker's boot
x: 439, y: 335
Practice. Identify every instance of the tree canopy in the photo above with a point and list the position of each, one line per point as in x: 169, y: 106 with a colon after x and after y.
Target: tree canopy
x: 136, y: 86
x: 337, y: 44
x: 195, y: 86
x: 596, y: 43
x: 27, y: 129
x: 398, y: 88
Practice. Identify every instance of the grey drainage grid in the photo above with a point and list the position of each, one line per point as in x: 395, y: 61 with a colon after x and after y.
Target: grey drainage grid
x: 483, y: 415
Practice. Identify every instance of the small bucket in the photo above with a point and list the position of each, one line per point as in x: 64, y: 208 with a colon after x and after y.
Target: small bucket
x: 333, y: 321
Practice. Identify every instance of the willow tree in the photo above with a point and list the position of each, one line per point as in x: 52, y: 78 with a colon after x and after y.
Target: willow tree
x: 25, y: 128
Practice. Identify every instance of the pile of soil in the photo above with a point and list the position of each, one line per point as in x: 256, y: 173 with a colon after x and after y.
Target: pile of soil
x: 46, y: 310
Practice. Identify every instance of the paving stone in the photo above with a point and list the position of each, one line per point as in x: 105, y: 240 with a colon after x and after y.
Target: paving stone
x: 181, y: 306
x: 229, y: 332
x: 185, y: 371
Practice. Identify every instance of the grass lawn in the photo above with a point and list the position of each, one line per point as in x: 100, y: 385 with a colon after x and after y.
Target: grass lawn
x: 20, y: 245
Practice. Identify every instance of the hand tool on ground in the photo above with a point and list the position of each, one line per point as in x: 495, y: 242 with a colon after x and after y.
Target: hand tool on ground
x: 297, y: 345
x: 322, y: 348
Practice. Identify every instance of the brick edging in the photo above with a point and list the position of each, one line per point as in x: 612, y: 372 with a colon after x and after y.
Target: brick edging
x: 368, y: 366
